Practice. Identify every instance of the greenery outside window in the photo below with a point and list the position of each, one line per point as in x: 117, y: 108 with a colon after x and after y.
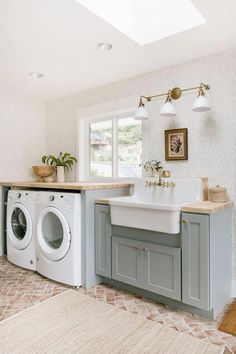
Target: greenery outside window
x: 115, y: 148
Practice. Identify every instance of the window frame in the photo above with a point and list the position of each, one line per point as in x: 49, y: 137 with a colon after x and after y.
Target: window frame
x: 83, y: 148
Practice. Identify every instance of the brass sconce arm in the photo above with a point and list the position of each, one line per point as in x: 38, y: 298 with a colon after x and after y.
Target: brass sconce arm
x: 176, y: 93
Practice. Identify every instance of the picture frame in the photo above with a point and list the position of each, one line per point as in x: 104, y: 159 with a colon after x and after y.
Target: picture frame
x: 176, y: 144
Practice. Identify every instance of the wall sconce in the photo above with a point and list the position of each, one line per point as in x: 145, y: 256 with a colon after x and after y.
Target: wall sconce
x: 141, y: 113
x: 168, y: 110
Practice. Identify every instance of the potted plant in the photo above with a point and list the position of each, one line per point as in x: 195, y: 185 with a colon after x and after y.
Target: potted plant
x: 62, y: 163
x: 153, y: 166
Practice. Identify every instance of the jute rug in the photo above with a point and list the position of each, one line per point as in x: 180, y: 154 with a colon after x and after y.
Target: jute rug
x: 228, y: 324
x: 76, y: 323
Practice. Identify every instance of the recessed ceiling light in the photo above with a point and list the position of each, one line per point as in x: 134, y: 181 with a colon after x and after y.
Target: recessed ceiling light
x: 146, y: 21
x: 105, y: 47
x: 36, y: 74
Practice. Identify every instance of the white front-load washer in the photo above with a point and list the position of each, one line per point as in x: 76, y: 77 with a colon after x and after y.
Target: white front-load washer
x: 20, y: 228
x: 58, y: 236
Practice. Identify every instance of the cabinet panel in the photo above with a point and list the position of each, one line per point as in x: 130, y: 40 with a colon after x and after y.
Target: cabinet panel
x: 195, y: 260
x: 163, y: 270
x: 126, y: 264
x: 103, y: 240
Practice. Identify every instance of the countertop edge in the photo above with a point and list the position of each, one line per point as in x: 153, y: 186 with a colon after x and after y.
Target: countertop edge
x: 67, y: 185
x: 203, y: 207
x: 206, y: 207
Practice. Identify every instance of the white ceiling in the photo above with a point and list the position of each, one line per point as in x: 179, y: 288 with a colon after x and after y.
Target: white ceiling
x: 59, y: 38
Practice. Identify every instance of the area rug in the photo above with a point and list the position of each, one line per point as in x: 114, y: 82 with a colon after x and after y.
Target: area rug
x: 228, y: 324
x: 76, y: 323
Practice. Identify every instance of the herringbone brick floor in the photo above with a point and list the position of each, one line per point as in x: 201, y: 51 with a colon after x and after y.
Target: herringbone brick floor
x: 20, y: 289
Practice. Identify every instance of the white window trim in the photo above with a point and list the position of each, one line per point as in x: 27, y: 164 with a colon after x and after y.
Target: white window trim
x: 82, y: 142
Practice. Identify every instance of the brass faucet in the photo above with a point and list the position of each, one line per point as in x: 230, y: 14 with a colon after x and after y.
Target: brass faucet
x: 160, y: 184
x: 160, y: 176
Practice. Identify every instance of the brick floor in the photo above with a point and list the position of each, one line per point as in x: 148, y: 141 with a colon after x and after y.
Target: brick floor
x: 20, y: 289
x: 181, y: 321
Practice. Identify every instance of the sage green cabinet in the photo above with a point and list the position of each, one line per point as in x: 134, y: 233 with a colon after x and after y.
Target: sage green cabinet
x: 194, y: 268
x: 103, y: 240
x: 162, y: 267
x: 126, y: 261
x: 146, y: 265
x: 195, y: 260
x: 207, y: 260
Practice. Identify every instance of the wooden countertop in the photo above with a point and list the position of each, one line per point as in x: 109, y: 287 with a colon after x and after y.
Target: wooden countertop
x: 203, y: 207
x: 206, y: 207
x: 67, y: 185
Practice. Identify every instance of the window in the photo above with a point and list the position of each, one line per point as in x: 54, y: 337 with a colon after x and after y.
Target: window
x: 101, y: 149
x: 115, y: 148
x: 129, y: 147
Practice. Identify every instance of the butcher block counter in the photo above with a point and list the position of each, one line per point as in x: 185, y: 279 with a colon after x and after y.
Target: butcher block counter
x: 67, y: 185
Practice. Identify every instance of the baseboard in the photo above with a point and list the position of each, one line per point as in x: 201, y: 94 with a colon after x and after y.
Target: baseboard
x: 233, y: 290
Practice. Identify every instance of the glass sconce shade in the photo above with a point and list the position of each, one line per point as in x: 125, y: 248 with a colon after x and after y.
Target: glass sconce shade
x: 201, y: 104
x: 141, y: 113
x: 168, y: 110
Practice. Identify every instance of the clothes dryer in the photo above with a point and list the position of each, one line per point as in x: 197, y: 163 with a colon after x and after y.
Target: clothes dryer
x: 58, y: 236
x: 20, y: 228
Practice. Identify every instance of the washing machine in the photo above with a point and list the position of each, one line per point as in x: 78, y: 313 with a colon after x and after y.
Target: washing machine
x: 58, y: 236
x: 20, y: 228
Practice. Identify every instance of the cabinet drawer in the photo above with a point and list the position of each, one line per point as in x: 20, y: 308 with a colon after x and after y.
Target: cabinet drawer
x: 163, y: 270
x: 126, y: 265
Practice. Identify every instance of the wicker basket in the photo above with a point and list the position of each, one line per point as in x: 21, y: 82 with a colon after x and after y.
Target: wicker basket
x: 218, y: 194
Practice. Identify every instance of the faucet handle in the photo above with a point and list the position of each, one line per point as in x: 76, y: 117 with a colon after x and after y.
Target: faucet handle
x: 166, y: 174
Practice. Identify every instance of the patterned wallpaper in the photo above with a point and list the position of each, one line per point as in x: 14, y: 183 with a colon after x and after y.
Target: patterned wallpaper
x: 23, y: 125
x: 211, y: 135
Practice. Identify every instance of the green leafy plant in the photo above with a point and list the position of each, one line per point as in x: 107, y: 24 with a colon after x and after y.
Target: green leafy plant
x: 152, y: 165
x: 64, y: 159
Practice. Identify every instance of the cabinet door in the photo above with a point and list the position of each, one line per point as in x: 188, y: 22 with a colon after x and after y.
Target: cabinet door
x: 163, y: 270
x: 195, y: 260
x: 103, y: 240
x: 126, y: 261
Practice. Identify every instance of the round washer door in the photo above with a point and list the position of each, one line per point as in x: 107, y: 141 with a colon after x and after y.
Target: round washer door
x: 19, y: 226
x: 53, y: 234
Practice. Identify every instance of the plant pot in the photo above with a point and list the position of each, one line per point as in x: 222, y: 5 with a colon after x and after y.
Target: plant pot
x: 60, y: 174
x: 43, y: 172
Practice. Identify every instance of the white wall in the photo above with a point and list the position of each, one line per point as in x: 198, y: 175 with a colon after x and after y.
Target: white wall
x: 23, y: 127
x: 211, y: 136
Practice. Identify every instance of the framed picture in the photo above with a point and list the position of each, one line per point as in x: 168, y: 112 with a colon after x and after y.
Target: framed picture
x: 176, y: 144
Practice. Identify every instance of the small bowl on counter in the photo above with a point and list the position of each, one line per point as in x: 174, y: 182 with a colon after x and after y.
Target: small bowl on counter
x: 44, y: 173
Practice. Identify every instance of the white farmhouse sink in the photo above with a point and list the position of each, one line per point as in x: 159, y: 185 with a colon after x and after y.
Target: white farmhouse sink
x: 155, y: 208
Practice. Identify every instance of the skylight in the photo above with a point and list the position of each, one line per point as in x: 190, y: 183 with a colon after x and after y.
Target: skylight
x: 146, y: 21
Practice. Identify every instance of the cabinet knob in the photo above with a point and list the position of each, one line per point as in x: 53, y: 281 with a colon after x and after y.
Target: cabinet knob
x: 142, y: 249
x: 184, y: 222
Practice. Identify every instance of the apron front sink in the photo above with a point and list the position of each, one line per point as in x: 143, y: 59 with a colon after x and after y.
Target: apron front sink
x: 155, y: 208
